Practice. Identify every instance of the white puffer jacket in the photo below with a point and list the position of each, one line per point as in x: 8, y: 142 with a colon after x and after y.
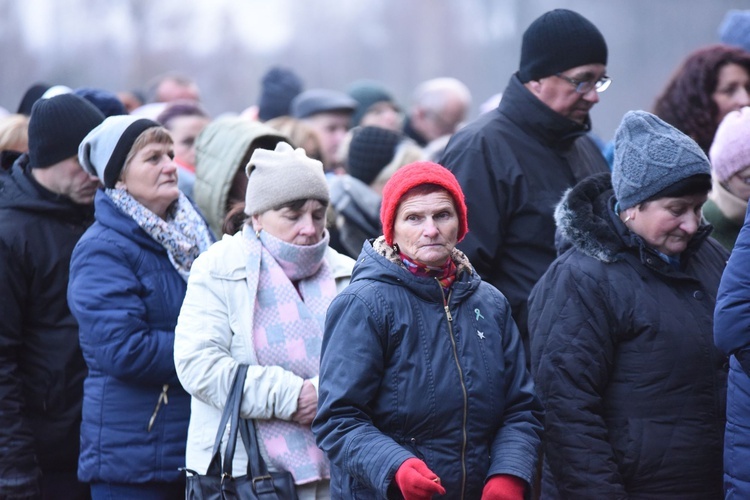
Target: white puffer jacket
x: 214, y: 334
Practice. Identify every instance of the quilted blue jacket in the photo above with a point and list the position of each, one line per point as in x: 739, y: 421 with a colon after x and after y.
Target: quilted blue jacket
x: 407, y: 372
x: 126, y: 296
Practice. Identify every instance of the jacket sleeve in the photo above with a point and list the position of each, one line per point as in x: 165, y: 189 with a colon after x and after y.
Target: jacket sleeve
x: 573, y: 355
x: 202, y: 352
x: 732, y: 313
x: 19, y: 473
x: 517, y: 443
x: 351, y: 370
x: 105, y: 297
x: 488, y: 202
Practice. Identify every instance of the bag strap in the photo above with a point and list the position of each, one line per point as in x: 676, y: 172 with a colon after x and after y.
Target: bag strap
x: 256, y: 466
x: 231, y: 411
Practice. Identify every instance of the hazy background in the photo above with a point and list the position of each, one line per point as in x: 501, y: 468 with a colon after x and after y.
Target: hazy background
x: 227, y: 45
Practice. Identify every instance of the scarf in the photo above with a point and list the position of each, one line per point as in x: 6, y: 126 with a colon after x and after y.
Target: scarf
x: 184, y: 234
x: 445, y: 274
x: 293, y: 286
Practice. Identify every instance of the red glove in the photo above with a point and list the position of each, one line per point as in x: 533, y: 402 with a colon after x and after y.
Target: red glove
x: 504, y: 487
x: 416, y: 481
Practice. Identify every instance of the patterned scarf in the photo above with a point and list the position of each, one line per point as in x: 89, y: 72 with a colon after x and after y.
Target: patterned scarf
x: 184, y: 234
x: 445, y: 274
x: 288, y: 325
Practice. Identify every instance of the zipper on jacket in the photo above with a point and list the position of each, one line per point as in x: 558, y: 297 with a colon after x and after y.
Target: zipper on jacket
x: 463, y: 386
x: 162, y: 399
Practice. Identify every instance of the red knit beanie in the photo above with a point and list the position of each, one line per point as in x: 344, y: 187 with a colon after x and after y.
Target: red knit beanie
x: 417, y: 174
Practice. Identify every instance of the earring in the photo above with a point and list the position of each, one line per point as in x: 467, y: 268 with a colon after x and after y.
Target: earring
x: 626, y: 219
x: 257, y: 233
x: 395, y: 248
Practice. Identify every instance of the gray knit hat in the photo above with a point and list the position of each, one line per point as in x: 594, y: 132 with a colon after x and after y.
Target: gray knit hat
x: 104, y: 150
x: 650, y: 156
x: 281, y: 176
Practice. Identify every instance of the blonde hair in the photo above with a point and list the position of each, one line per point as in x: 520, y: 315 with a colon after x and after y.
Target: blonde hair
x: 14, y: 133
x: 300, y: 134
x: 158, y: 135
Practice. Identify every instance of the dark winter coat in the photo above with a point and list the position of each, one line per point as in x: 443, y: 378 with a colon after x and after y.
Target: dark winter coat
x: 624, y: 362
x: 41, y: 366
x: 405, y: 375
x: 514, y: 163
x: 126, y: 296
x: 731, y: 327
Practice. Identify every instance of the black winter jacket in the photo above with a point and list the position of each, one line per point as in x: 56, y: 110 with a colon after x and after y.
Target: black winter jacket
x: 514, y: 164
x: 623, y: 359
x: 41, y: 365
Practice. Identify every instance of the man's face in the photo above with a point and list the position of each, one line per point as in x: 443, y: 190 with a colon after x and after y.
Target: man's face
x: 331, y: 127
x: 69, y: 179
x: 560, y: 95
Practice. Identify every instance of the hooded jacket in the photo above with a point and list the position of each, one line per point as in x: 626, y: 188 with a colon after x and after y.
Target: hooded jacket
x: 41, y: 366
x: 222, y: 150
x: 624, y: 362
x: 406, y: 372
x: 514, y: 163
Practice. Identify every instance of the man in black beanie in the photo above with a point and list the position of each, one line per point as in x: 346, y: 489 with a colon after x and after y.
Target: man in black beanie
x: 45, y: 206
x: 515, y: 162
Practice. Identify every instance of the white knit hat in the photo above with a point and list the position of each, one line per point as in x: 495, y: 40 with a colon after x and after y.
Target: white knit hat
x: 281, y: 176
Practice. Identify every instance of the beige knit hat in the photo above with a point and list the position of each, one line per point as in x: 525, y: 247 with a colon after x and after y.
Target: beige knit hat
x: 280, y: 176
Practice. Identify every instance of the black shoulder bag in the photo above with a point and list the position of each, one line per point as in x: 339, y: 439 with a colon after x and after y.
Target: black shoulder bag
x: 218, y: 482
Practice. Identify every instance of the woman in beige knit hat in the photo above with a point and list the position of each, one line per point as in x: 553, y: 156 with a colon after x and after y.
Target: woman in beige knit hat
x: 259, y: 298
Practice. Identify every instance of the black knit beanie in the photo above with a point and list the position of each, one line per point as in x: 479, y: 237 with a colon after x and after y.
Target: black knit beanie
x: 370, y: 150
x: 57, y: 126
x: 557, y: 41
x: 278, y: 87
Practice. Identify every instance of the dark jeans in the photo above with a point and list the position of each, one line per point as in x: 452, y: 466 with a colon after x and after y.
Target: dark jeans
x: 145, y: 491
x: 64, y: 486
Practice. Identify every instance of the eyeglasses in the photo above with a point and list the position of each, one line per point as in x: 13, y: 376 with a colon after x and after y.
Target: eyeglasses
x: 585, y: 86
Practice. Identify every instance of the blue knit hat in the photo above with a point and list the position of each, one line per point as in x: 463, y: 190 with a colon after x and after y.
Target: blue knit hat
x: 651, y: 156
x: 367, y: 93
x: 735, y: 29
x: 278, y: 87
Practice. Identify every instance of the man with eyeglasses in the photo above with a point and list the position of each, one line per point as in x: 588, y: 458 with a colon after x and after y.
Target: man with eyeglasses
x: 515, y: 162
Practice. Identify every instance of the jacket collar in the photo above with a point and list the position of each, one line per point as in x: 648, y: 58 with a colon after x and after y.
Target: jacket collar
x: 587, y: 221
x: 537, y: 119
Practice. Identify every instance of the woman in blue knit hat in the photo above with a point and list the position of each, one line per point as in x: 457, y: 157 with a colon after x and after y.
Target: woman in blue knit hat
x: 621, y: 328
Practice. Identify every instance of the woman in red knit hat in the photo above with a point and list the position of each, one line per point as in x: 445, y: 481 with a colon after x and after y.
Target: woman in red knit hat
x: 423, y: 385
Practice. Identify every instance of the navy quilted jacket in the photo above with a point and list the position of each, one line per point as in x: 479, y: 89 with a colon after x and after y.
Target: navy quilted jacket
x: 126, y: 296
x: 624, y: 362
x: 403, y: 375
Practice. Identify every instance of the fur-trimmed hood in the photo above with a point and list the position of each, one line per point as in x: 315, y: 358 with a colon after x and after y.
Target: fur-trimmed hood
x: 586, y: 220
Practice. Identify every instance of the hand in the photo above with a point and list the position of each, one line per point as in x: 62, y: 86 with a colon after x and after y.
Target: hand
x: 504, y: 487
x: 307, y: 404
x: 416, y: 481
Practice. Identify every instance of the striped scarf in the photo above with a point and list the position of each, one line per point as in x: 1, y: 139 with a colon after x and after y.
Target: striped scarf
x: 445, y: 274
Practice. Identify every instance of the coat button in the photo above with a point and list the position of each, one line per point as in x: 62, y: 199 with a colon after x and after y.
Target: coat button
x: 698, y: 295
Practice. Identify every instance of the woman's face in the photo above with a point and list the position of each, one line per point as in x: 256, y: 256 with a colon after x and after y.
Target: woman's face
x: 151, y: 178
x: 184, y: 130
x: 739, y: 184
x: 426, y: 227
x: 305, y: 226
x: 667, y: 224
x: 732, y: 90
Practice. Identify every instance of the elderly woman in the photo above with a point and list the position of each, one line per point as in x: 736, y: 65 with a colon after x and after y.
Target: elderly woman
x: 710, y: 82
x: 128, y: 276
x: 621, y: 328
x: 423, y: 384
x: 730, y: 166
x: 259, y: 297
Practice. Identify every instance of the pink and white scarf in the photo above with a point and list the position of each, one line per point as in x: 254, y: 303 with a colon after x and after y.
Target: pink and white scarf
x: 288, y: 323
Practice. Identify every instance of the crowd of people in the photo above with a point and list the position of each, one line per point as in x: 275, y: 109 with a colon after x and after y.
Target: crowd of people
x: 504, y: 308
